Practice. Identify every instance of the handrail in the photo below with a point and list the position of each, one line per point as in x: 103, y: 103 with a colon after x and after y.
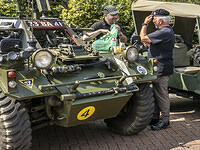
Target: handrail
x: 74, y: 83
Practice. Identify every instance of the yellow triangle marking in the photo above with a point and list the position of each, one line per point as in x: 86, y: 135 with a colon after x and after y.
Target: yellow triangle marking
x: 27, y: 82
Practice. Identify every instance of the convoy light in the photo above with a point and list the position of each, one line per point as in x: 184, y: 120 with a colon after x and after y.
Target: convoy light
x: 155, y: 68
x: 11, y: 74
x: 12, y: 84
x: 155, y: 61
x: 43, y: 59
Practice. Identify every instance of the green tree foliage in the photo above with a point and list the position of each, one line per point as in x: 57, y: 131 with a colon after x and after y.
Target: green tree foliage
x: 8, y: 8
x: 84, y: 13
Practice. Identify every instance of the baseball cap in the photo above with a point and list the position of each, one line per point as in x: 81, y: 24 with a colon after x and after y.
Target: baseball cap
x: 110, y: 10
x: 160, y: 12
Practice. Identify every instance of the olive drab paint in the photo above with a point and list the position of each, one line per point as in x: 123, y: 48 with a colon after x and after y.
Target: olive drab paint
x: 49, y: 76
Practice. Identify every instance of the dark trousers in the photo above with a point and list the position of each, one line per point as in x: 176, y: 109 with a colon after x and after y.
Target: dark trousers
x: 162, y: 102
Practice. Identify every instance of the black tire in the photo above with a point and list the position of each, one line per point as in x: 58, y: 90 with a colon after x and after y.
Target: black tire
x: 196, y: 101
x: 15, y: 126
x: 136, y: 114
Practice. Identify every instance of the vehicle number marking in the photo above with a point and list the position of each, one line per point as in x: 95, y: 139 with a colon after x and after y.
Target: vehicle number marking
x: 86, y: 113
x: 27, y: 82
x: 43, y: 24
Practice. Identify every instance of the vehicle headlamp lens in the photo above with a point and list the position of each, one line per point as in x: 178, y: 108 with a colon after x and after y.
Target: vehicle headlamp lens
x: 131, y: 54
x: 12, y: 56
x: 43, y: 59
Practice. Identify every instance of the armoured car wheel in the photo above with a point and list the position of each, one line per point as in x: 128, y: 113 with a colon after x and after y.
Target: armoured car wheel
x: 196, y: 100
x: 15, y: 126
x: 136, y: 114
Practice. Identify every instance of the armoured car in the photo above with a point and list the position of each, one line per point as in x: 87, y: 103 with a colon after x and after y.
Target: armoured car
x: 186, y: 53
x: 48, y: 76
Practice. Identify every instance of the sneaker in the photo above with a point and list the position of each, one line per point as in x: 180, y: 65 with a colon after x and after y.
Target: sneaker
x: 160, y: 126
x: 154, y: 121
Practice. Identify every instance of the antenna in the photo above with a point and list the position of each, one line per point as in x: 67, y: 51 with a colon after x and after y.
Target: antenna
x: 32, y: 16
x: 19, y: 12
x: 31, y: 42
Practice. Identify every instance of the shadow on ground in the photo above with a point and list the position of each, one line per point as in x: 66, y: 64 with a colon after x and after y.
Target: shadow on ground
x: 184, y: 134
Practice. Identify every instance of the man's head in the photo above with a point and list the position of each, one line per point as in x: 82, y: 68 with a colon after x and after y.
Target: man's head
x: 110, y: 14
x: 161, y: 17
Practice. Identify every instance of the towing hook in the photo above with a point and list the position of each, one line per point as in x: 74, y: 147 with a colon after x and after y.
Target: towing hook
x: 119, y: 82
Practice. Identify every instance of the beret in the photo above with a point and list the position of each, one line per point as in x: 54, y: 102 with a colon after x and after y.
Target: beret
x: 160, y: 12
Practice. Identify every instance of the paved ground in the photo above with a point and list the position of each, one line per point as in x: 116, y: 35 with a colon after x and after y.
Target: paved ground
x: 184, y: 134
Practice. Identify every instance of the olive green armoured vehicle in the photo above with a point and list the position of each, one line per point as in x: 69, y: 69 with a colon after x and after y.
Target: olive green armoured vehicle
x: 186, y: 53
x: 49, y: 77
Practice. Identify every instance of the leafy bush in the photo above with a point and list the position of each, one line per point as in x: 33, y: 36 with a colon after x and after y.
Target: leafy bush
x: 8, y: 8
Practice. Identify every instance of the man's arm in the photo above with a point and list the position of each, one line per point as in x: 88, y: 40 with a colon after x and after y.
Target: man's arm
x: 143, y: 33
x: 91, y: 35
x: 122, y: 37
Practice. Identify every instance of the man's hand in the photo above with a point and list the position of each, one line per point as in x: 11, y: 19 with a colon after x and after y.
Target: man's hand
x: 118, y: 28
x: 143, y: 33
x: 122, y: 37
x: 148, y: 19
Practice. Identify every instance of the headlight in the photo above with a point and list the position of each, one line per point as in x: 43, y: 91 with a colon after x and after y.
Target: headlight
x: 12, y: 56
x: 131, y: 54
x: 42, y: 59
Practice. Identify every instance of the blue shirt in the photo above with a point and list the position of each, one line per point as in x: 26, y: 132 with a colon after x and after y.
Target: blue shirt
x: 161, y: 48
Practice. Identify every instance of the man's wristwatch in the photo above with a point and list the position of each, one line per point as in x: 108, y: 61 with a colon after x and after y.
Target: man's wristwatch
x: 144, y: 24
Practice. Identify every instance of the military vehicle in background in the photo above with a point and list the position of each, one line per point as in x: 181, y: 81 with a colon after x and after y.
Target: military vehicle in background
x: 49, y: 77
x: 186, y: 54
